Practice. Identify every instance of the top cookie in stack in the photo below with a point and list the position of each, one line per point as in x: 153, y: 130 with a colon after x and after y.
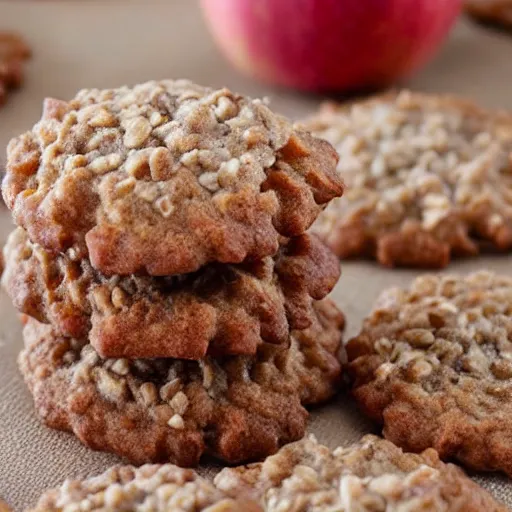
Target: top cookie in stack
x: 166, y: 177
x: 165, y: 211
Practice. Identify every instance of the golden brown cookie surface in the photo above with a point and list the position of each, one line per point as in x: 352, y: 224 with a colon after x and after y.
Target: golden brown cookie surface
x: 165, y: 177
x: 432, y: 363
x: 150, y: 488
x: 428, y: 178
x: 235, y: 408
x: 372, y: 475
x: 220, y: 309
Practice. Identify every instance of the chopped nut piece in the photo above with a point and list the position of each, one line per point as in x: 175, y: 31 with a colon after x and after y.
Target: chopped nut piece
x: 104, y: 164
x: 179, y: 402
x: 137, y: 131
x: 149, y: 393
x: 209, y: 181
x: 121, y: 367
x: 168, y: 391
x: 176, y: 422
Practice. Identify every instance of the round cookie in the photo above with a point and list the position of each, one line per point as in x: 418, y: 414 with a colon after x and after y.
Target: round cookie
x: 165, y: 177
x: 235, y: 408
x: 372, y: 475
x: 150, y: 488
x: 433, y: 364
x: 220, y: 309
x: 428, y: 178
x: 494, y: 11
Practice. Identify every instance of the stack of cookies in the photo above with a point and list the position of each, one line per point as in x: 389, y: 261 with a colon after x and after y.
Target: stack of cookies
x: 173, y: 303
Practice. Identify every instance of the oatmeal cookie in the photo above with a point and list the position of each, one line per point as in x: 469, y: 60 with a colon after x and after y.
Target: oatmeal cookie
x: 220, y: 309
x: 428, y: 178
x: 165, y: 177
x: 150, y: 488
x: 371, y: 475
x: 494, y: 11
x: 13, y: 52
x: 235, y: 408
x: 434, y: 364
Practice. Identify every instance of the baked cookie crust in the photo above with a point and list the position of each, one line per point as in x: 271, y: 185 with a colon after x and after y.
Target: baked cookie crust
x: 433, y: 365
x: 150, y: 488
x: 372, y: 475
x: 234, y: 408
x: 428, y: 178
x: 165, y: 177
x: 220, y: 309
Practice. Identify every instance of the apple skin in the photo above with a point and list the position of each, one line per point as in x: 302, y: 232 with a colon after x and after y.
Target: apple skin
x: 330, y: 45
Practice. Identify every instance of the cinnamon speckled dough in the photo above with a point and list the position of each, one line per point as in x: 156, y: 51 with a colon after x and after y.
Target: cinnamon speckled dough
x: 236, y: 408
x: 495, y: 11
x: 150, y: 488
x: 372, y: 475
x: 220, y: 309
x: 165, y: 177
x: 428, y: 178
x: 433, y: 363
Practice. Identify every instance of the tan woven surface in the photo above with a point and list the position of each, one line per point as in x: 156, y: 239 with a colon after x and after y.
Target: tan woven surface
x: 99, y: 44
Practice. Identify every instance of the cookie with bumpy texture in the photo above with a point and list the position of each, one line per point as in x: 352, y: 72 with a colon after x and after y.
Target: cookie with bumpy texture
x: 433, y: 364
x: 165, y: 177
x: 372, y: 475
x: 428, y: 177
x: 235, y: 408
x: 494, y: 11
x: 150, y: 488
x: 220, y: 309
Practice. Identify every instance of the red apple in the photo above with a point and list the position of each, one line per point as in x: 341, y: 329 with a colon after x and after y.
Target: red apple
x: 335, y: 45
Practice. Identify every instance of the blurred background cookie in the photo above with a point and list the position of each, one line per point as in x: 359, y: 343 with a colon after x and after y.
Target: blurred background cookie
x: 13, y: 52
x: 428, y: 178
x: 493, y: 11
